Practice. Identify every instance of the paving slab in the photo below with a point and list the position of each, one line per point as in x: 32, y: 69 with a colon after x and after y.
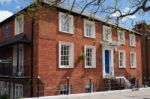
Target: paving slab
x: 142, y: 93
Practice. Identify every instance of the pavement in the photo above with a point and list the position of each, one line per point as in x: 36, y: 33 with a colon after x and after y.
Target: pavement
x: 142, y: 93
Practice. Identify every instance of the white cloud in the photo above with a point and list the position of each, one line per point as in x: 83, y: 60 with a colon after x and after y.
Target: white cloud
x: 116, y: 14
x: 126, y: 10
x: 5, y: 14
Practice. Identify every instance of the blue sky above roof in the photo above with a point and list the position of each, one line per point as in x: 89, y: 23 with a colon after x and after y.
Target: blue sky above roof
x: 9, y: 7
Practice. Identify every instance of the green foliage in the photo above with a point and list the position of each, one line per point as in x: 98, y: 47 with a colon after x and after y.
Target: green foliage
x: 81, y: 56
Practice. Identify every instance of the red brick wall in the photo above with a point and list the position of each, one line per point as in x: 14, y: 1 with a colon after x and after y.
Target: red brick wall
x: 148, y: 50
x: 48, y: 68
x: 2, y: 29
x: 46, y: 39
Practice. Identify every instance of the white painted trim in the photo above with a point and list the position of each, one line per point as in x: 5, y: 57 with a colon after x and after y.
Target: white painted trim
x: 134, y: 43
x: 22, y: 47
x: 15, y: 59
x: 16, y: 28
x: 88, y: 86
x: 72, y: 23
x: 2, y: 87
x: 123, y: 32
x: 93, y: 28
x: 107, y: 28
x: 93, y: 56
x: 64, y: 85
x: 20, y: 85
x: 71, y: 59
x: 124, y: 55
x: 111, y: 61
x: 135, y: 64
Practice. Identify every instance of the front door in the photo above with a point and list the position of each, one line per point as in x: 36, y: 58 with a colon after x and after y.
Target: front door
x: 107, y: 61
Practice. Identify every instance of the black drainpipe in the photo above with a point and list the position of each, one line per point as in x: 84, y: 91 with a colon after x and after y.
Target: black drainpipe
x: 32, y: 48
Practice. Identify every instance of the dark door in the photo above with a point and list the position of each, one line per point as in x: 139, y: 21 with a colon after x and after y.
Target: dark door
x: 107, y: 61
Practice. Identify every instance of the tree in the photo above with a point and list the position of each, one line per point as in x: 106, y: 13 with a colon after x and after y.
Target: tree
x: 107, y: 8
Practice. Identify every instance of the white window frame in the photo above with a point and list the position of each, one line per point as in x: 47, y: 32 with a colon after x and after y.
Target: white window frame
x: 71, y: 59
x: 119, y: 34
x: 20, y: 91
x: 135, y: 60
x: 93, y: 56
x: 17, y: 29
x: 108, y: 29
x: 63, y: 87
x: 72, y: 23
x: 2, y: 87
x: 133, y: 44
x: 87, y: 86
x: 92, y: 28
x: 124, y: 59
x: 21, y: 60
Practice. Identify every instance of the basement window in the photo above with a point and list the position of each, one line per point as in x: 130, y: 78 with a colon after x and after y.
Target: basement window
x: 63, y: 90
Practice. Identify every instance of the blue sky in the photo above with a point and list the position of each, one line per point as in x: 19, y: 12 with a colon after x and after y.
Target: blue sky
x: 9, y: 7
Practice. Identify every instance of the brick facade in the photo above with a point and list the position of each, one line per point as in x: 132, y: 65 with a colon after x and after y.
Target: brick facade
x: 145, y: 48
x: 46, y: 56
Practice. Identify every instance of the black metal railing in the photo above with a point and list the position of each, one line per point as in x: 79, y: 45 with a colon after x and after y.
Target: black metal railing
x: 11, y: 71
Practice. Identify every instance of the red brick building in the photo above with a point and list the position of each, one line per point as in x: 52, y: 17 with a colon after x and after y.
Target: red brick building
x: 144, y: 28
x: 59, y: 52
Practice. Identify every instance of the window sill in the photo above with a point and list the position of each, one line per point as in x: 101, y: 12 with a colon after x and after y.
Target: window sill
x: 133, y: 67
x: 122, y: 44
x: 107, y: 41
x: 66, y: 32
x: 132, y: 45
x: 89, y: 37
x: 65, y: 67
x: 122, y: 67
x: 87, y: 67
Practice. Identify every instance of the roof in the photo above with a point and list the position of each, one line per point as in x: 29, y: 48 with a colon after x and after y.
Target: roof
x: 21, y: 38
x: 77, y: 11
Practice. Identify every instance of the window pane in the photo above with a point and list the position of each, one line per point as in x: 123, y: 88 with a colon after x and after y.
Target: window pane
x: 88, y: 56
x: 65, y: 23
x: 65, y: 54
x: 133, y: 59
x: 88, y: 29
x: 121, y: 59
x: 107, y: 34
x: 63, y: 89
x: 121, y: 37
